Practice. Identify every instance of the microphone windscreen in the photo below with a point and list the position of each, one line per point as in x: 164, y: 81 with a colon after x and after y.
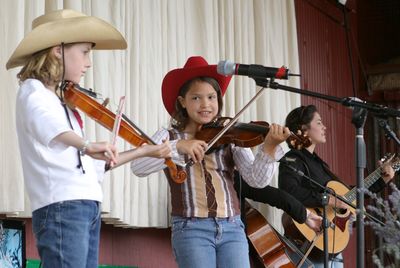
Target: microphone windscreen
x: 226, y: 67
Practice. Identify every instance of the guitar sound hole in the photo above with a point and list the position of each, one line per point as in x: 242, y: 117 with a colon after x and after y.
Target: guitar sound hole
x: 340, y: 210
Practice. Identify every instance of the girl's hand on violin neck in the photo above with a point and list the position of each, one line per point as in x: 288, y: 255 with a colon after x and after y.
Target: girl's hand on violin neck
x: 162, y: 150
x: 194, y: 148
x: 276, y: 135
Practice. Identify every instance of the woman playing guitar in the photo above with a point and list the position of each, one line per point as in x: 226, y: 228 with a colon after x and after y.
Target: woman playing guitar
x: 307, y: 120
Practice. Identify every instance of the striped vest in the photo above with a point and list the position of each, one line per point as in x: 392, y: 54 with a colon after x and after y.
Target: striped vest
x: 208, y: 190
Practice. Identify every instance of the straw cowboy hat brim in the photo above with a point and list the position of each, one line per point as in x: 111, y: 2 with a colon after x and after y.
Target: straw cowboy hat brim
x: 195, y: 67
x: 66, y: 26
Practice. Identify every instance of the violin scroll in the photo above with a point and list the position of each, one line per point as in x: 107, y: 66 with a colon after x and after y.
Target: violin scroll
x: 299, y: 140
x: 179, y: 176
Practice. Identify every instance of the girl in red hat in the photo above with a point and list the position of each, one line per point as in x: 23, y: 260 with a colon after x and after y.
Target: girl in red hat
x: 206, y: 227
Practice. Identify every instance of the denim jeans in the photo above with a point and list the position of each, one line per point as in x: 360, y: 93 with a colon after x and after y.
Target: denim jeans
x: 318, y: 262
x: 210, y: 242
x: 67, y: 234
x: 336, y: 262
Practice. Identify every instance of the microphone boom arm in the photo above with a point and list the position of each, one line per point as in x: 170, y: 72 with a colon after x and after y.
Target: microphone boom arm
x: 375, y: 109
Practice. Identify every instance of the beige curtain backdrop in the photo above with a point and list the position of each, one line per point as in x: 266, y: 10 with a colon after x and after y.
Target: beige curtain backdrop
x: 161, y: 35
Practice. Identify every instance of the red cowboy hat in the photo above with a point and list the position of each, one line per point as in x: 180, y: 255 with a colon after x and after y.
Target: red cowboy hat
x: 194, y: 67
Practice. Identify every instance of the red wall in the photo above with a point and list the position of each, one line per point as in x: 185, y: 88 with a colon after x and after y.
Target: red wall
x: 143, y: 248
x: 325, y: 68
x: 332, y: 64
x: 148, y: 247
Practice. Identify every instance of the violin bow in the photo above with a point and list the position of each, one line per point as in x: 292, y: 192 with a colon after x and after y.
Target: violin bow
x: 309, y: 250
x: 117, y: 121
x: 234, y: 120
x: 117, y: 124
x: 230, y: 124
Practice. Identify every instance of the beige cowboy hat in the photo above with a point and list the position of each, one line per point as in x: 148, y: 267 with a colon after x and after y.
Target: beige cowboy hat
x: 65, y: 26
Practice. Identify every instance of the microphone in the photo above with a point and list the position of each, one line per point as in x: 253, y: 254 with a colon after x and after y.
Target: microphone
x: 228, y: 68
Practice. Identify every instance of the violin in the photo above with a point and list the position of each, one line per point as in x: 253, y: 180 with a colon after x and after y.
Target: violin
x: 244, y: 134
x: 74, y: 97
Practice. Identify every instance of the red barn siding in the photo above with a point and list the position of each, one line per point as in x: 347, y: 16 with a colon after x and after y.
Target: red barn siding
x: 379, y: 31
x: 144, y: 248
x: 325, y: 68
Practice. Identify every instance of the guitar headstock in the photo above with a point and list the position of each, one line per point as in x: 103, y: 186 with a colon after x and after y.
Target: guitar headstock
x: 299, y: 140
x: 392, y: 159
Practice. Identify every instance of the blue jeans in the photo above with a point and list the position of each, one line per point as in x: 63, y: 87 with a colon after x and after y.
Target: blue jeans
x: 318, y: 262
x: 210, y: 242
x: 336, y: 262
x: 67, y: 234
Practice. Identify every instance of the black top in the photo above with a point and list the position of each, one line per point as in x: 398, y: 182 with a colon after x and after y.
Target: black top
x: 313, y: 166
x: 271, y: 196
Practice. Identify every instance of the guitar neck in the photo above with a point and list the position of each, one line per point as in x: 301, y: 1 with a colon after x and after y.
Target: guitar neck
x: 368, y: 181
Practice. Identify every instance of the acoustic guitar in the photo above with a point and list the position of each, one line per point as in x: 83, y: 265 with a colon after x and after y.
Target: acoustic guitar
x: 338, y: 232
x: 272, y: 249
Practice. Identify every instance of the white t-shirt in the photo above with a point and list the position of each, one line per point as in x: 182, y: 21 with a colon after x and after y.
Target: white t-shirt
x: 50, y: 168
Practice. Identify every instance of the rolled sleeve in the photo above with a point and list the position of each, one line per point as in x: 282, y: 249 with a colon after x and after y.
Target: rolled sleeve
x: 256, y: 171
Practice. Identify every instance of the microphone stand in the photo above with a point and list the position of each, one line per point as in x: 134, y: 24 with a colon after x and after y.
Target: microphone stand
x: 325, y: 226
x: 358, y: 119
x: 359, y: 116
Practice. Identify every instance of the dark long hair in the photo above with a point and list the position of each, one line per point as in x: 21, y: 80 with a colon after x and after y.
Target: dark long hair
x: 180, y: 117
x: 300, y: 119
